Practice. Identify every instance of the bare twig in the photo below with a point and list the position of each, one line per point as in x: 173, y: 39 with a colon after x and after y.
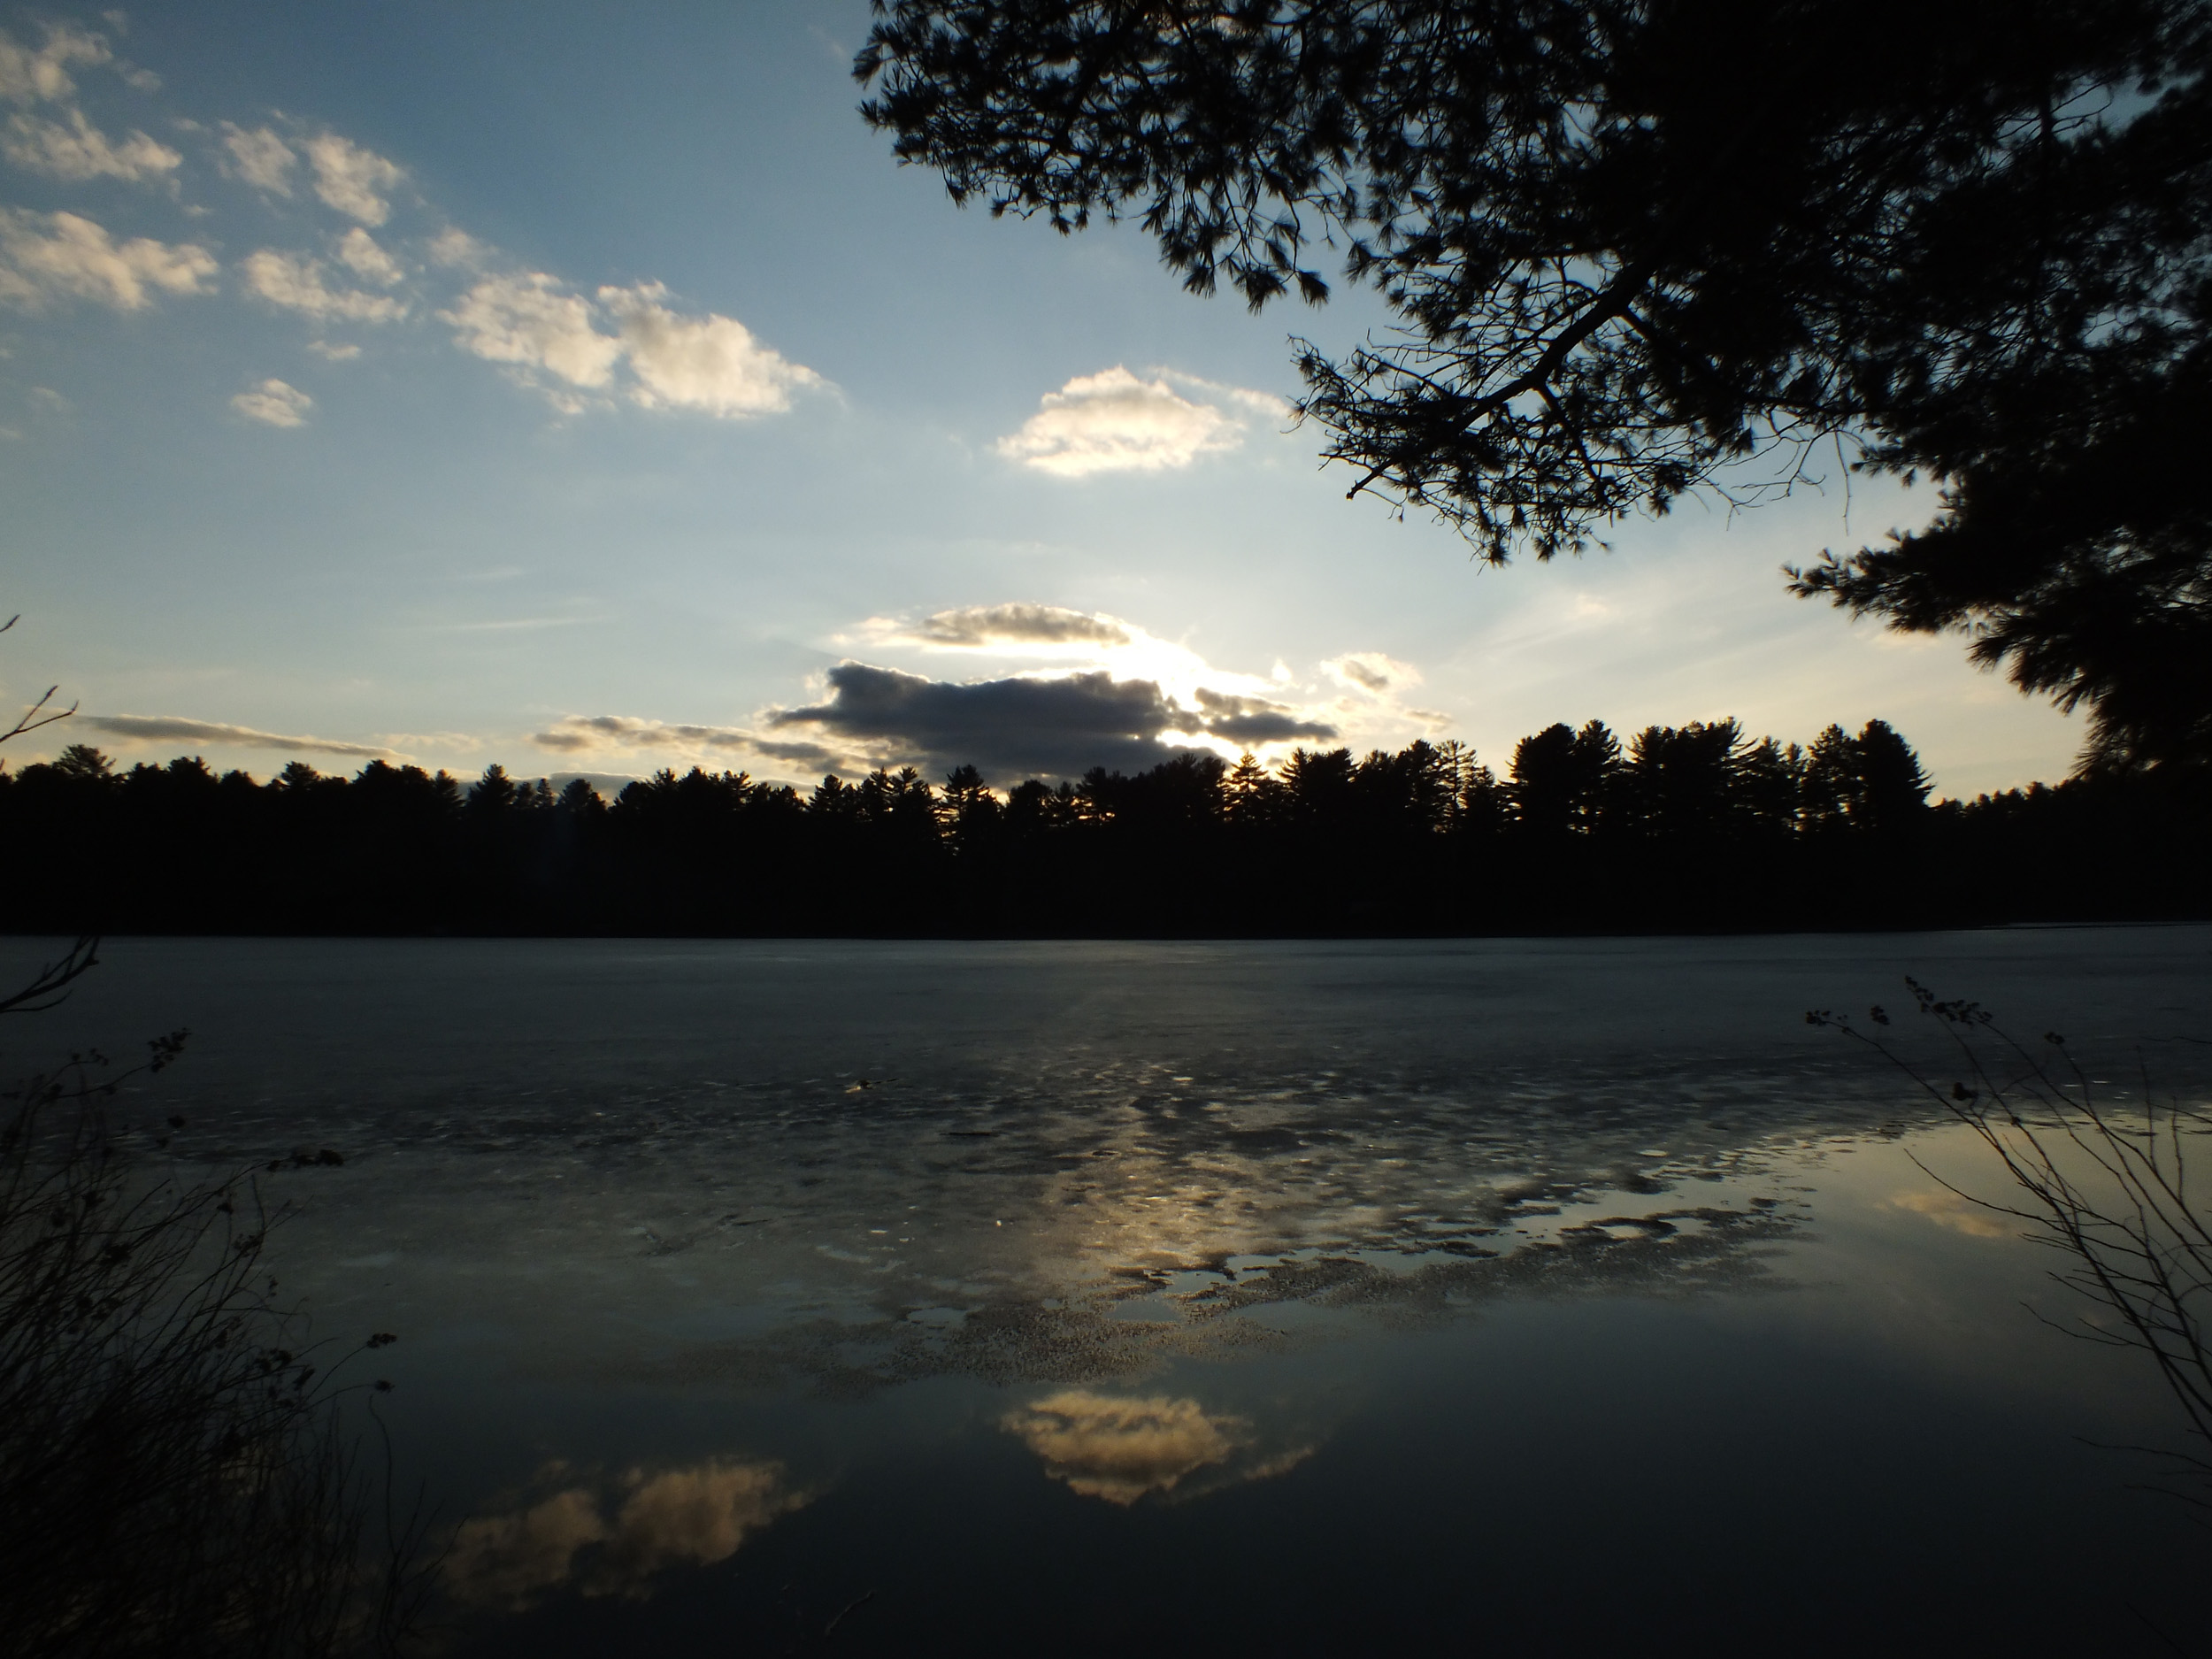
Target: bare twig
x: 2107, y: 1186
x: 51, y: 984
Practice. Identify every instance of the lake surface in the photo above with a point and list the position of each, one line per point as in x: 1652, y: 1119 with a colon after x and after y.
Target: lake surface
x: 1261, y: 1297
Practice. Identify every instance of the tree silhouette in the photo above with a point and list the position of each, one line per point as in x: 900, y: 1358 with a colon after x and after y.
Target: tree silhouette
x: 1695, y: 827
x: 1639, y: 248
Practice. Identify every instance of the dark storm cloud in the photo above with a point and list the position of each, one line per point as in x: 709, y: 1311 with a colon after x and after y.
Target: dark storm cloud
x: 1009, y: 728
x: 797, y: 754
x: 1256, y: 719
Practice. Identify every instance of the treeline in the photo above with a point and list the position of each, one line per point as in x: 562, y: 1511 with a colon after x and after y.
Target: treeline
x: 1680, y: 829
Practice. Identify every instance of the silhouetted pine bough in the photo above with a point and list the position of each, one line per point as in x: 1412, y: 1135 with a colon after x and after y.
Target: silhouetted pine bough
x: 2105, y: 1184
x: 1696, y: 828
x: 178, y: 1475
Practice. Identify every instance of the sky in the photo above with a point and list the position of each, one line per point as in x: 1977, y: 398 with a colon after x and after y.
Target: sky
x: 584, y: 389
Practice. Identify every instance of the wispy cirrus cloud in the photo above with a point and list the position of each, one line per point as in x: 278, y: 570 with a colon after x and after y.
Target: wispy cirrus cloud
x: 164, y: 728
x: 1115, y: 422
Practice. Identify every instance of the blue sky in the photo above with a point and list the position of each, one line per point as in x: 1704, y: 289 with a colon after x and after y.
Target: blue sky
x: 583, y: 387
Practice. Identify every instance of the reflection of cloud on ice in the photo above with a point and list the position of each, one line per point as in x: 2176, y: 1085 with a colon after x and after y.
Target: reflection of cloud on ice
x: 695, y: 1515
x: 506, y: 1559
x: 698, y: 1516
x: 1120, y: 1449
x: 1951, y: 1210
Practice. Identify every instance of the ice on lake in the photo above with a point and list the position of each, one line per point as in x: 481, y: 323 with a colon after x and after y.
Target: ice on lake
x: 1248, y: 1296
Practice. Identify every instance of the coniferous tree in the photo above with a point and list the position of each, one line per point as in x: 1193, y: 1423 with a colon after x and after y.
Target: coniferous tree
x: 1637, y: 248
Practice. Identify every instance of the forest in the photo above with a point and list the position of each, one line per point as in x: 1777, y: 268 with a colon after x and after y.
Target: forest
x: 1699, y: 828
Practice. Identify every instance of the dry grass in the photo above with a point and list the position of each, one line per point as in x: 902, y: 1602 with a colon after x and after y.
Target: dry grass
x: 178, y: 1473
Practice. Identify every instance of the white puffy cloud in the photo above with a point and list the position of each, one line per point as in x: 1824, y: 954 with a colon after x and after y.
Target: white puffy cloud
x: 527, y: 322
x: 710, y: 362
x: 352, y: 180
x: 41, y: 74
x: 76, y: 151
x: 273, y: 403
x: 58, y: 256
x: 263, y: 159
x: 359, y: 252
x: 296, y: 282
x: 1113, y: 422
x: 456, y: 249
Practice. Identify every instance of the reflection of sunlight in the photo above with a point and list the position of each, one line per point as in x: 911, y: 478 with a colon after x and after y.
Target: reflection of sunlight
x: 695, y: 1515
x: 1949, y: 1210
x: 1120, y: 1449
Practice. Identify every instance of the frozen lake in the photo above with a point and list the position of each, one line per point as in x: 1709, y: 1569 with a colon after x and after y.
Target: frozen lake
x: 1248, y: 1297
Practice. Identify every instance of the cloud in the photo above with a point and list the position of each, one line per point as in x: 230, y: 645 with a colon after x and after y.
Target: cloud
x: 168, y: 728
x: 980, y: 627
x: 710, y: 362
x: 41, y: 75
x: 508, y: 1560
x: 1113, y: 422
x: 351, y: 179
x: 587, y: 734
x: 1022, y: 726
x: 695, y: 1515
x: 799, y: 754
x: 78, y: 150
x: 579, y: 733
x: 457, y: 249
x: 263, y: 159
x: 1207, y: 707
x: 274, y: 404
x: 72, y: 256
x: 526, y: 321
x: 296, y: 282
x: 1370, y: 672
x: 359, y: 252
x: 1256, y: 720
x: 1958, y: 1213
x: 1122, y: 1450
x: 329, y: 353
